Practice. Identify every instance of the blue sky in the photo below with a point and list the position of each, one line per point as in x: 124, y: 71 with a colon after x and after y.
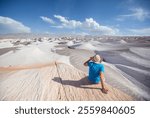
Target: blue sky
x: 100, y: 17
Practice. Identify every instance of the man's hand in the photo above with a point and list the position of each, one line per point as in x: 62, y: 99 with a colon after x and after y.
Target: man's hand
x: 104, y: 90
x: 91, y: 58
x: 85, y: 63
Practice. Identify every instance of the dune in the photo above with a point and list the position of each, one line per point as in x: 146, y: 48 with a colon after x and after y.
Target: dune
x: 136, y: 59
x: 143, y: 52
x: 6, y: 50
x: 119, y: 72
x: 99, y: 46
x: 52, y: 69
x: 31, y: 55
x: 55, y: 81
x: 70, y: 43
x: 5, y: 45
x: 87, y: 46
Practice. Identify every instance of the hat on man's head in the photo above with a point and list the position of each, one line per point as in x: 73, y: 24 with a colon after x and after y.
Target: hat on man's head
x: 97, y: 58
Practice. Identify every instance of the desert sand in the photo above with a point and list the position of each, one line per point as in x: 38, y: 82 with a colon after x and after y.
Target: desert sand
x: 52, y: 68
x: 56, y: 81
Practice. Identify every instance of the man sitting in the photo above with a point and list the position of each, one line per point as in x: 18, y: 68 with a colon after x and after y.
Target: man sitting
x: 96, y: 71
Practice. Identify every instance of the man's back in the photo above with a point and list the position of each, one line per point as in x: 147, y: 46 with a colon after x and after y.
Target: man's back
x: 94, y: 71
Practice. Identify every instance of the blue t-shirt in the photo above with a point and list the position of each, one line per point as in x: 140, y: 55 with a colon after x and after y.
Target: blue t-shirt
x: 94, y: 71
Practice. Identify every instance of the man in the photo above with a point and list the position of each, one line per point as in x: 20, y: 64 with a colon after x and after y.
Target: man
x: 96, y: 71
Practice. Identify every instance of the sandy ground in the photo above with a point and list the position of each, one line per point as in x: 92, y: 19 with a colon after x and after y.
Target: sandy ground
x: 5, y: 50
x: 53, y: 69
x: 55, y: 81
x: 113, y: 75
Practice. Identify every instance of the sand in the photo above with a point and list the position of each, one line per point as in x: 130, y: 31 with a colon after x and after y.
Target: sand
x: 113, y: 75
x: 52, y: 68
x: 56, y: 81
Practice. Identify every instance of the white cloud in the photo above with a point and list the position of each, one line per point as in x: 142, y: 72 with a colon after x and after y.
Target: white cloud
x: 68, y: 23
x: 61, y: 18
x: 9, y: 25
x: 46, y: 19
x: 88, y: 25
x: 143, y: 31
x: 108, y: 30
x: 91, y: 24
x: 136, y: 13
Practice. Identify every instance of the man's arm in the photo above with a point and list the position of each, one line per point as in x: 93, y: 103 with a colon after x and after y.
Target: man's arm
x: 86, y: 63
x: 104, y: 90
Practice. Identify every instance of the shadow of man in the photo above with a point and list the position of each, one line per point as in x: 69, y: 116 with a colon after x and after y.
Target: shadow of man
x: 82, y: 83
